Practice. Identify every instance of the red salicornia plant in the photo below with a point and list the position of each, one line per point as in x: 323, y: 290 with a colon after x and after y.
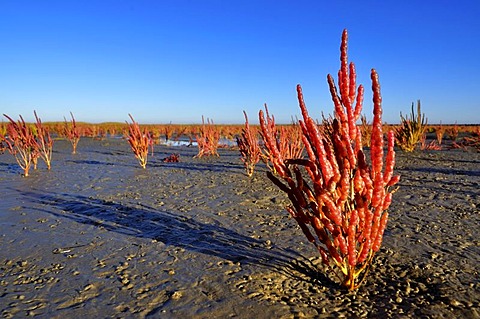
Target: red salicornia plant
x: 72, y: 132
x: 452, y: 132
x: 287, y: 139
x: 439, y: 132
x: 432, y: 146
x: 44, y: 141
x: 172, y: 158
x: 248, y: 147
x: 207, y: 140
x: 20, y: 142
x: 472, y: 141
x: 290, y: 141
x: 140, y: 141
x: 339, y: 200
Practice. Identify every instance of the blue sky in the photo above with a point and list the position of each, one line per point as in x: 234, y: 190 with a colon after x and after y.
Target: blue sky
x: 174, y: 61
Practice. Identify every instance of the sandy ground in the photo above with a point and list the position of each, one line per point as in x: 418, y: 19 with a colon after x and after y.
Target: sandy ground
x: 98, y: 237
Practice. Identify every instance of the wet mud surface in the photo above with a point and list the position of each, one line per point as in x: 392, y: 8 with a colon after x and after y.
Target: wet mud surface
x: 98, y: 237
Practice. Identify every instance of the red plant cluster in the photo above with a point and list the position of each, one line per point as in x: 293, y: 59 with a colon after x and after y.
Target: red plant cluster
x: 27, y: 144
x: 472, y: 141
x: 207, y: 139
x: 452, y: 132
x: 44, y: 142
x: 439, y: 132
x: 95, y: 132
x: 140, y: 141
x: 72, y: 132
x: 172, y: 158
x: 248, y: 146
x: 339, y: 201
x: 290, y: 141
x: 20, y: 142
x: 287, y: 141
x: 432, y: 146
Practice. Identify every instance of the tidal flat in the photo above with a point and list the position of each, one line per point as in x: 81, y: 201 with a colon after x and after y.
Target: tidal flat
x: 97, y: 236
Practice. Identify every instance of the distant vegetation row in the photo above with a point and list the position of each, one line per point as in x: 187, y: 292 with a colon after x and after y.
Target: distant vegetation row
x: 171, y: 132
x: 30, y: 141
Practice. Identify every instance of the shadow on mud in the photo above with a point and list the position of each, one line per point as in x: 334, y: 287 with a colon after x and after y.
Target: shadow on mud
x: 176, y: 230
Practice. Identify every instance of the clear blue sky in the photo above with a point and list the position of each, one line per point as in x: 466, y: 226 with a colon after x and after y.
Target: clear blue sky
x: 174, y: 61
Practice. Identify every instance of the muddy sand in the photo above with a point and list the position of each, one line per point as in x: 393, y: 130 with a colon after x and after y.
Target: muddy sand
x: 99, y: 237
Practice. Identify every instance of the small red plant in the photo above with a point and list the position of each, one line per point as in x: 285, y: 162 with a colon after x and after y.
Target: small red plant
x: 207, y: 139
x: 72, y: 132
x: 20, y: 142
x: 248, y: 146
x: 432, y: 146
x: 472, y: 141
x: 168, y: 132
x: 452, y: 132
x: 139, y: 141
x: 339, y: 201
x: 439, y: 132
x: 44, y: 141
x: 172, y: 158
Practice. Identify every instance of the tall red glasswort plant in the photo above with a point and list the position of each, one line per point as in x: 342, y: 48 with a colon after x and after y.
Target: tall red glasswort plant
x: 207, y: 140
x: 339, y: 200
x: 44, y: 141
x: 248, y: 146
x: 287, y: 141
x: 20, y: 142
x: 72, y: 132
x: 140, y: 141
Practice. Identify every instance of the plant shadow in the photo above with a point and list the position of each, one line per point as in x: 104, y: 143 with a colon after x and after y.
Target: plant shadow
x: 142, y: 221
